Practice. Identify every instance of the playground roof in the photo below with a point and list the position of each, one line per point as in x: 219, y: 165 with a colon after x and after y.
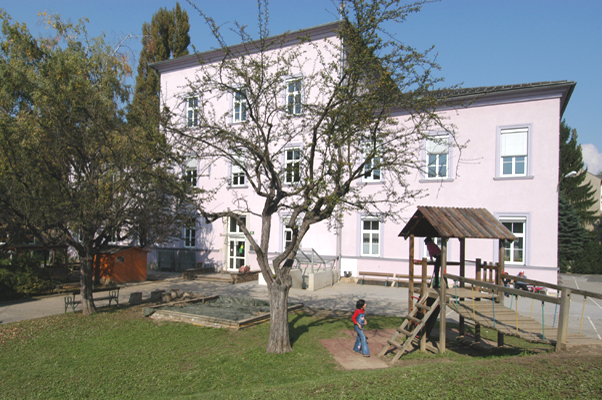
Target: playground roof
x: 451, y: 222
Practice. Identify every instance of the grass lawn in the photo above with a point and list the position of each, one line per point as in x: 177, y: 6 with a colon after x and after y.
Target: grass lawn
x: 119, y: 354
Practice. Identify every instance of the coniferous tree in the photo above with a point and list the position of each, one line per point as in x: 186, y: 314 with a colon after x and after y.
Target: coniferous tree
x: 580, y: 195
x: 166, y: 36
x: 572, y: 236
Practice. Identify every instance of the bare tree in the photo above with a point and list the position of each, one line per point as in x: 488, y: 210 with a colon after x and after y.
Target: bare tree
x: 316, y: 118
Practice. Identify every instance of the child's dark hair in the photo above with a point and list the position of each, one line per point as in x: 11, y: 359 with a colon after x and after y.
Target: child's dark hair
x: 360, y: 303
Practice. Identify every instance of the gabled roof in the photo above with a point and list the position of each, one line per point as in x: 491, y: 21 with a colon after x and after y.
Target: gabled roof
x: 564, y: 89
x: 215, y: 55
x: 451, y: 222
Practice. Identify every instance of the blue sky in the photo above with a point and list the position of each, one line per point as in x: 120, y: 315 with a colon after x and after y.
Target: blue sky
x: 478, y: 42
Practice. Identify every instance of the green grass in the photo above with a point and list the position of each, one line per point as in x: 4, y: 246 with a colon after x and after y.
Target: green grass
x: 118, y: 354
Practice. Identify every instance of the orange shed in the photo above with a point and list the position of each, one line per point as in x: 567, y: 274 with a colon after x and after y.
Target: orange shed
x: 121, y: 264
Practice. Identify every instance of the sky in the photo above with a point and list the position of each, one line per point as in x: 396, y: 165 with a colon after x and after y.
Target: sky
x: 477, y: 42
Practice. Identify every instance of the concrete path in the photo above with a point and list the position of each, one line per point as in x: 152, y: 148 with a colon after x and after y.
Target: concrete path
x: 342, y: 296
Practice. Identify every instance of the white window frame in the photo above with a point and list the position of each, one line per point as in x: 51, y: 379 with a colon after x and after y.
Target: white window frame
x: 236, y: 238
x: 192, y: 112
x: 239, y: 106
x: 290, y: 178
x: 514, y: 147
x: 436, y: 146
x: 189, y: 236
x: 286, y: 231
x: 374, y: 246
x: 372, y: 170
x: 513, y: 218
x: 191, y: 171
x: 234, y: 229
x: 238, y: 178
x: 293, y: 99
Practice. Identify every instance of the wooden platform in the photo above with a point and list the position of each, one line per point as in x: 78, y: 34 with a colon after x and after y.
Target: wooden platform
x: 505, y: 323
x: 461, y: 293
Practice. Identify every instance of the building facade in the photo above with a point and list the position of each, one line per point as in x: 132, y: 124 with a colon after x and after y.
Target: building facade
x: 508, y: 164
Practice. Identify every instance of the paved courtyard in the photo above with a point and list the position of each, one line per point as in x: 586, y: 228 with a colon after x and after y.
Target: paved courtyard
x: 341, y: 296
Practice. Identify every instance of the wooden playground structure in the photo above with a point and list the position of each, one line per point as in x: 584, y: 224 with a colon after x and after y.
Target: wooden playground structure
x: 480, y: 299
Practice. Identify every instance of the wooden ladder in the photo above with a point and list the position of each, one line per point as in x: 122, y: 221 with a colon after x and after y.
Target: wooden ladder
x: 418, y: 317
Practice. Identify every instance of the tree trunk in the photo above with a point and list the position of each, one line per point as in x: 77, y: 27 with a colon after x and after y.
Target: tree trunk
x: 279, y: 341
x: 85, y: 280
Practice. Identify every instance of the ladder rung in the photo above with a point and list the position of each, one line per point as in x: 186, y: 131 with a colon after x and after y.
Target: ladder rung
x: 392, y: 343
x: 423, y: 307
x: 404, y: 332
x: 414, y: 319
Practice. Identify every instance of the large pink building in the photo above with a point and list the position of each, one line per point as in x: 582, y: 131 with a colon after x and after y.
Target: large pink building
x: 509, y: 166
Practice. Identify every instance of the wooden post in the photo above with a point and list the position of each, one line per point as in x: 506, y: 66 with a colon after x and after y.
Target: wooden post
x: 423, y: 293
x: 423, y: 286
x: 500, y: 339
x: 442, y: 297
x: 563, y: 318
x: 499, y: 281
x: 477, y: 326
x: 411, y: 275
x: 462, y: 260
x: 462, y: 328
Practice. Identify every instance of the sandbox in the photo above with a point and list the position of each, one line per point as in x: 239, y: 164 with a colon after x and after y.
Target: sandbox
x: 217, y: 311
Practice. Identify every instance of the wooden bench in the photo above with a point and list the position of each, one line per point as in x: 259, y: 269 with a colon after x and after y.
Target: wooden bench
x: 73, y: 302
x: 395, y: 278
x: 385, y: 275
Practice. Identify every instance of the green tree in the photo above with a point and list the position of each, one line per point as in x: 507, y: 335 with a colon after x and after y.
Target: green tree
x: 71, y: 168
x: 347, y: 130
x: 580, y: 195
x: 572, y: 236
x: 166, y: 36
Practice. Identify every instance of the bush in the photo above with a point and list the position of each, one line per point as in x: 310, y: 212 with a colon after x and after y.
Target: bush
x: 589, y: 260
x: 22, y: 277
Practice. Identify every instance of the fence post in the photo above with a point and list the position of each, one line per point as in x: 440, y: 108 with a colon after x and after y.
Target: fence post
x: 563, y: 318
x: 411, y: 275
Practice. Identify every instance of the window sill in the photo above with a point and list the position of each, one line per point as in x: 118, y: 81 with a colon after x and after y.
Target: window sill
x: 238, y: 186
x: 435, y: 180
x: 380, y: 182
x: 513, y: 178
x: 370, y: 256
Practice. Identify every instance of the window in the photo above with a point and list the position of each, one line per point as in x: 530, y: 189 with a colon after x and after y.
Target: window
x: 288, y: 237
x: 233, y: 226
x: 239, y: 106
x: 287, y: 233
x: 437, y: 151
x: 192, y: 112
x: 514, y: 151
x: 293, y: 96
x: 237, y: 253
x: 515, y: 251
x: 237, y: 175
x: 237, y: 244
x: 190, y: 235
x: 370, y: 237
x: 292, y: 162
x: 190, y: 172
x: 371, y: 166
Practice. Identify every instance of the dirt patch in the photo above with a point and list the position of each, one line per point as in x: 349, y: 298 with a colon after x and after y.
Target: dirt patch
x: 342, y: 352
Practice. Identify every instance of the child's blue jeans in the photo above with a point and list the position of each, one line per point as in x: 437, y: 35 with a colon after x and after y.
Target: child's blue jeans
x: 360, y: 342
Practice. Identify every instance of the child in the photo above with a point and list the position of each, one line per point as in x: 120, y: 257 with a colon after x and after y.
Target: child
x: 435, y: 253
x: 359, y: 321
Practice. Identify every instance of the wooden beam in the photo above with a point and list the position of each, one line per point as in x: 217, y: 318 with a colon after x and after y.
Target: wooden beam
x: 411, y: 273
x: 442, y: 297
x: 563, y: 318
